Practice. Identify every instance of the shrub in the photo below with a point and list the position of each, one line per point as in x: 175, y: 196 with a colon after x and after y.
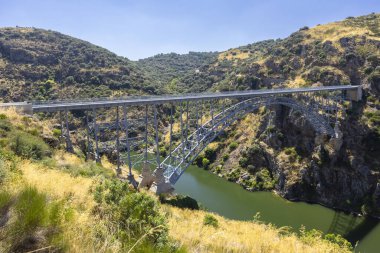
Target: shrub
x: 210, y: 153
x: 225, y: 157
x: 29, y: 146
x: 338, y: 239
x: 205, y: 163
x: 57, y: 132
x: 243, y: 162
x: 292, y: 154
x: 233, y: 145
x: 210, y: 220
x: 31, y: 211
x: 139, y: 213
x: 163, y: 151
x: 233, y: 175
x: 136, y: 214
x: 34, y: 214
x: 5, y: 125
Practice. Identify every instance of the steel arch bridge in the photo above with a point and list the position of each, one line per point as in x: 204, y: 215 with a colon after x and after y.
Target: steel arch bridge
x: 185, y: 153
x: 135, y: 129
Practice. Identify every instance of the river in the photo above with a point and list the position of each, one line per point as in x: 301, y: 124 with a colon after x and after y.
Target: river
x: 232, y: 201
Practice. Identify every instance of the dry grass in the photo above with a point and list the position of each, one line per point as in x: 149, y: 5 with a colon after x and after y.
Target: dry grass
x: 334, y: 31
x: 233, y: 54
x: 236, y: 236
x: 80, y: 234
x: 185, y: 226
x: 58, y: 184
x: 27, y: 122
x: 298, y: 82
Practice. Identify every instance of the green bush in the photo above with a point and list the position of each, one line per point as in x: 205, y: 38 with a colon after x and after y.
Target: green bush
x: 35, y: 214
x: 139, y: 213
x: 292, y: 154
x: 233, y: 175
x: 210, y: 220
x: 243, y: 162
x: 57, y: 132
x: 210, y: 154
x: 5, y: 125
x: 225, y: 157
x: 338, y: 239
x: 31, y: 211
x: 163, y: 151
x: 136, y: 214
x: 29, y: 146
x: 233, y: 145
x: 205, y: 163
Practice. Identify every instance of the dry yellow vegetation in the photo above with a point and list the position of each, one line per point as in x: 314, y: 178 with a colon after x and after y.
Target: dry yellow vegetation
x: 187, y: 227
x: 336, y: 30
x: 233, y: 54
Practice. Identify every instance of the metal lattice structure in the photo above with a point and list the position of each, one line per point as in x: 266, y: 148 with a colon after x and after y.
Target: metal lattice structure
x: 134, y: 129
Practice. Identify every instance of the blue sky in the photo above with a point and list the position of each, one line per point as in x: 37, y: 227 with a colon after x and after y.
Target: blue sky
x: 142, y: 28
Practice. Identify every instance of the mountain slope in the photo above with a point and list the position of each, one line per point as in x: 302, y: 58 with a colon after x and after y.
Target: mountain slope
x: 165, y: 70
x: 41, y: 64
x: 337, y: 53
x: 289, y: 160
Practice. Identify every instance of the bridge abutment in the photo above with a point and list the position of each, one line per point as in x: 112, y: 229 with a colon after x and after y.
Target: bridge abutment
x: 160, y: 185
x: 355, y: 95
x: 23, y: 107
x: 146, y: 177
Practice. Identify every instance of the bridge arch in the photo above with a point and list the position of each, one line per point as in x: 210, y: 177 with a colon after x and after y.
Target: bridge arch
x: 174, y: 165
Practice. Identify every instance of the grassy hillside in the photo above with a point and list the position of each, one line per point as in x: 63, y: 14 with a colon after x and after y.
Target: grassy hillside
x: 40, y: 64
x: 345, y: 52
x: 45, y: 205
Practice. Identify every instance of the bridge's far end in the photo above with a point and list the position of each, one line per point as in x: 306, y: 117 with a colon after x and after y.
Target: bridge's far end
x: 355, y: 94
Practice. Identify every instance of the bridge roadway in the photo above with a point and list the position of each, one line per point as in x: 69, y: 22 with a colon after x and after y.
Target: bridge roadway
x: 53, y: 106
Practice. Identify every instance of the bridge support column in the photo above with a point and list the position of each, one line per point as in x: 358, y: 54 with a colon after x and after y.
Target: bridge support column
x: 146, y: 177
x: 69, y: 145
x: 96, y: 130
x: 118, y: 169
x: 131, y: 178
x: 160, y: 185
x: 87, y: 137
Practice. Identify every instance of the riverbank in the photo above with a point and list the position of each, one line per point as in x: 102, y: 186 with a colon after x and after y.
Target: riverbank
x: 232, y: 201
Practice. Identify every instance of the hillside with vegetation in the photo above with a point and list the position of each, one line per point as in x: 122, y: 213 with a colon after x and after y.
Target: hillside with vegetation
x: 167, y: 70
x: 37, y: 64
x: 53, y: 201
x: 344, y: 52
x: 283, y: 155
x: 266, y: 152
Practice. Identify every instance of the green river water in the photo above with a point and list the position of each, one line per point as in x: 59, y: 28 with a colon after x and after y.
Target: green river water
x: 232, y: 201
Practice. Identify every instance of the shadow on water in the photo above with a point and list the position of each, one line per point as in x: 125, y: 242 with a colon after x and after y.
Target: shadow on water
x: 343, y: 223
x: 353, y: 228
x: 361, y: 230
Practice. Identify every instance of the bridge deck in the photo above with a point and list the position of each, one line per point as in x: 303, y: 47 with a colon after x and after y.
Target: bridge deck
x: 41, y: 106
